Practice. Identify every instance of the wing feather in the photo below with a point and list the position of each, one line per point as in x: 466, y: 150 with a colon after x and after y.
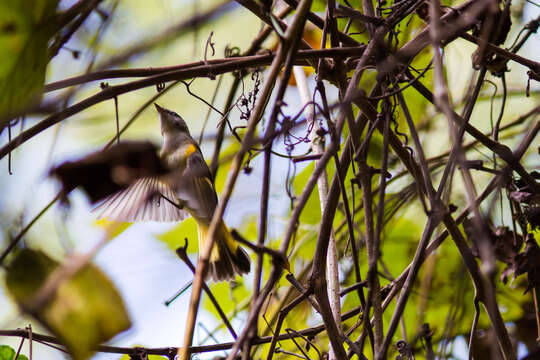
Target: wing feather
x: 140, y: 202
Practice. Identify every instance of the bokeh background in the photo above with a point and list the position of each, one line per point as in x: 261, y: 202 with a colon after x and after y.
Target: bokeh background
x: 141, y: 260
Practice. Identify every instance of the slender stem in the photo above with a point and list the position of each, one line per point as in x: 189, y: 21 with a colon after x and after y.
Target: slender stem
x: 19, y: 236
x: 292, y: 33
x: 473, y: 327
x: 181, y: 252
x: 282, y: 315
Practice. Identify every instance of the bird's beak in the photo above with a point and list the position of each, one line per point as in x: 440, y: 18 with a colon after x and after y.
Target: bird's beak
x: 158, y: 108
x: 164, y: 119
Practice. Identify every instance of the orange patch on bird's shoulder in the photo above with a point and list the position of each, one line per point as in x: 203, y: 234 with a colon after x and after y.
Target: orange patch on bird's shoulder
x: 190, y: 149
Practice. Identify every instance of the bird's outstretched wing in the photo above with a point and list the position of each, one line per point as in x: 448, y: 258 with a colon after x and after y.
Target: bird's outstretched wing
x: 147, y: 199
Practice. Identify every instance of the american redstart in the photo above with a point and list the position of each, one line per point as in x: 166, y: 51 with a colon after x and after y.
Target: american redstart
x: 188, y: 189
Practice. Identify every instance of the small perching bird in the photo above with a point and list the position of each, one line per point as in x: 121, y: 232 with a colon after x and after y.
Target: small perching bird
x: 180, y: 185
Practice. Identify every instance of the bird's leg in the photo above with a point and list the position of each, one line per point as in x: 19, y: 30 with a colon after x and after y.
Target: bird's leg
x: 180, y: 204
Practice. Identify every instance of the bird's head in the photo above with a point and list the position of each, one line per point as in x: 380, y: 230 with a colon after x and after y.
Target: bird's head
x: 171, y: 122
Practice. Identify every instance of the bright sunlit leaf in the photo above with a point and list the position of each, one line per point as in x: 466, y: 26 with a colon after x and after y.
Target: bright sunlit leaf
x: 7, y: 353
x: 175, y: 238
x: 229, y: 296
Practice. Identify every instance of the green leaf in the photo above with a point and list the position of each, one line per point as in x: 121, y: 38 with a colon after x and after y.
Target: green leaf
x: 25, y: 31
x: 318, y: 6
x: 176, y: 237
x: 7, y: 353
x: 230, y: 296
x: 312, y: 209
x: 85, y: 311
x: 226, y: 156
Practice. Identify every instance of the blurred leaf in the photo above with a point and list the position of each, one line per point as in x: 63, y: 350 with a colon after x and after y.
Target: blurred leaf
x: 318, y: 6
x: 417, y: 105
x: 113, y: 228
x: 85, y: 311
x: 175, y: 237
x: 250, y: 228
x: 400, y: 243
x: 230, y: 296
x: 312, y: 210
x: 7, y: 353
x: 305, y: 242
x: 226, y: 156
x: 25, y: 30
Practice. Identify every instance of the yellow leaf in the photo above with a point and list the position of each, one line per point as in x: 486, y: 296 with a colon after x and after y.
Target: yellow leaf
x: 111, y: 227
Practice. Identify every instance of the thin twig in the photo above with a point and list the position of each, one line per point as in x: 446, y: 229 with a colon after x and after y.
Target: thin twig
x: 181, y: 252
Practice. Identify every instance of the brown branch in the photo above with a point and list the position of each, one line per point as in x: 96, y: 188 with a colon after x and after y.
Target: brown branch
x: 292, y: 33
x: 171, y: 351
x: 459, y: 19
x: 265, y: 189
x: 501, y: 150
x: 60, y: 41
x: 343, y: 11
x: 112, y: 91
x: 241, y: 62
x: 319, y: 22
x: 75, y: 10
x: 282, y: 315
x: 293, y: 221
x: 532, y: 65
x: 465, y: 252
x: 253, y: 48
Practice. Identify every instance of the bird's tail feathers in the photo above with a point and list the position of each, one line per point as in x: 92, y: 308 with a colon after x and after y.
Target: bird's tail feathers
x: 227, y: 259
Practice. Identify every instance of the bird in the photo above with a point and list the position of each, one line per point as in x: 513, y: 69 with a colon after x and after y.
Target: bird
x: 186, y: 189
